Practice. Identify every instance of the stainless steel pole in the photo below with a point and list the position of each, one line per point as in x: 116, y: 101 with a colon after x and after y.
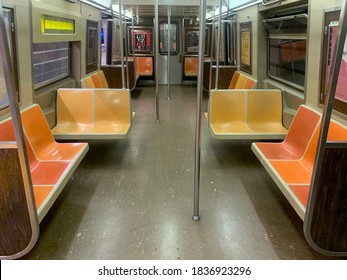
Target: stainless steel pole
x: 168, y: 51
x: 121, y: 41
x: 127, y: 61
x: 196, y: 215
x: 133, y: 48
x: 218, y: 44
x: 156, y: 26
x: 212, y: 49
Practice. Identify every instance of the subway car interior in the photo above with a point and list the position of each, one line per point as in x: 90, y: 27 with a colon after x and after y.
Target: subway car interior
x: 173, y: 130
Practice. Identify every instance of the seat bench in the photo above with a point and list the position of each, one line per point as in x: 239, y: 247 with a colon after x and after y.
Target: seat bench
x: 290, y: 163
x: 96, y: 80
x: 51, y: 164
x: 246, y: 114
x: 241, y: 81
x: 93, y: 114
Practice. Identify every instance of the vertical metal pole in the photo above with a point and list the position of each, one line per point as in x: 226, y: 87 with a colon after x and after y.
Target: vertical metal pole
x: 121, y: 41
x: 156, y: 28
x: 196, y: 215
x: 127, y: 58
x: 168, y: 51
x: 212, y: 48
x: 18, y: 130
x: 218, y: 44
x: 133, y: 48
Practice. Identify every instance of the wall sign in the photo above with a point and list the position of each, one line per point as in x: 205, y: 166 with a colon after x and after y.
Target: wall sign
x: 246, y: 46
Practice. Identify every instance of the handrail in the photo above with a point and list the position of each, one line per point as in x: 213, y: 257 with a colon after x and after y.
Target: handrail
x: 18, y: 129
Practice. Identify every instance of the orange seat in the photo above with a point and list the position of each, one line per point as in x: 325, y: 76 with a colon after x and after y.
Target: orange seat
x: 41, y: 193
x: 42, y: 173
x: 297, y: 139
x: 301, y: 192
x: 41, y: 139
x: 51, y: 164
x: 99, y: 80
x: 144, y: 66
x: 96, y: 80
x: 303, y: 167
x: 249, y: 84
x: 292, y: 170
x: 191, y: 65
x: 102, y: 79
x: 241, y: 81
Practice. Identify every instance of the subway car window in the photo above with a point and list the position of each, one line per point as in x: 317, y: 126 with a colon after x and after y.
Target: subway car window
x: 287, y: 60
x: 287, y: 49
x: 9, y: 26
x: 92, y: 46
x: 51, y: 62
x: 164, y: 35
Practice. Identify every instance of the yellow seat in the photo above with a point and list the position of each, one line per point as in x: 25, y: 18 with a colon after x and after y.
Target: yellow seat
x: 246, y: 114
x: 234, y: 79
x: 87, y: 82
x: 227, y: 114
x: 264, y: 114
x: 93, y: 114
x: 74, y: 112
x: 241, y: 81
x: 112, y: 114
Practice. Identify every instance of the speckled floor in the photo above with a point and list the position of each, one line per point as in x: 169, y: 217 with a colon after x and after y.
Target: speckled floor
x: 133, y: 198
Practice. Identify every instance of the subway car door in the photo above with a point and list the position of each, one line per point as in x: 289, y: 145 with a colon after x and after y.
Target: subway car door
x: 175, y: 72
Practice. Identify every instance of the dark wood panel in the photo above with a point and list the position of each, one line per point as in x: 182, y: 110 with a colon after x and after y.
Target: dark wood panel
x: 113, y: 75
x: 14, y: 217
x: 224, y: 76
x: 329, y: 224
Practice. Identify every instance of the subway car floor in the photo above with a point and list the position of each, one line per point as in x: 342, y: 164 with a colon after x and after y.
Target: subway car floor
x: 133, y: 199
